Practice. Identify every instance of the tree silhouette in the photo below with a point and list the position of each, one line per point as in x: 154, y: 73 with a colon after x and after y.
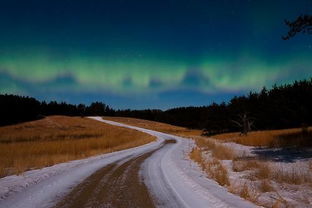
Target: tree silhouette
x: 244, y: 122
x: 303, y: 24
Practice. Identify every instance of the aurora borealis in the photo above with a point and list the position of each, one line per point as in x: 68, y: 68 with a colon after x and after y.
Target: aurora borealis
x: 149, y: 54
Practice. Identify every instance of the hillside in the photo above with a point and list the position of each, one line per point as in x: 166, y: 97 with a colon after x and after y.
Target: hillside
x: 56, y: 139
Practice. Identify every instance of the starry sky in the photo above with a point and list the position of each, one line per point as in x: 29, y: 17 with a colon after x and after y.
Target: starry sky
x: 149, y: 54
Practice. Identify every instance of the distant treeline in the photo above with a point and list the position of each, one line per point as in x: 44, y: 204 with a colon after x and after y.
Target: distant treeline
x: 283, y: 106
x: 16, y: 109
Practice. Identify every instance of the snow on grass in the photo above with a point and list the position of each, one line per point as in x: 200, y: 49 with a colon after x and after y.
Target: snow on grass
x: 176, y: 181
x: 270, y: 177
x: 185, y: 180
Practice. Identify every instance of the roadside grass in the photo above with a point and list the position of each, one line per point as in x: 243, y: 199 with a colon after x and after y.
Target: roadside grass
x: 217, y: 149
x: 245, y: 191
x: 239, y: 165
x: 255, y: 179
x: 257, y: 175
x: 57, y: 139
x: 212, y: 167
x: 271, y: 138
x: 267, y: 138
x: 265, y: 186
x: 196, y: 155
x: 263, y: 170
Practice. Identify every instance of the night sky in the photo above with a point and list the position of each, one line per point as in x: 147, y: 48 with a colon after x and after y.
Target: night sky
x: 149, y: 54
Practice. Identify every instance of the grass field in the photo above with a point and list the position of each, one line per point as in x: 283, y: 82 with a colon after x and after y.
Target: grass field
x: 56, y: 139
x: 271, y: 138
x: 157, y: 126
x: 268, y: 138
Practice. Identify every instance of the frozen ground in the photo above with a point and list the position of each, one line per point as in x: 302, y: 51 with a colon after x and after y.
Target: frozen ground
x: 172, y: 179
x: 285, y: 165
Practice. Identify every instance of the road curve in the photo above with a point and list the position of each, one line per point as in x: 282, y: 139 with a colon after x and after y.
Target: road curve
x: 158, y: 174
x: 174, y: 181
x: 116, y: 185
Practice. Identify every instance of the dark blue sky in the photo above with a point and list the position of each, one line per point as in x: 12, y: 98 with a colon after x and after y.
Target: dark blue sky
x: 149, y: 54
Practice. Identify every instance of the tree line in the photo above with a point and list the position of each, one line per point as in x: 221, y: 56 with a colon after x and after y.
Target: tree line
x: 16, y: 109
x: 283, y: 106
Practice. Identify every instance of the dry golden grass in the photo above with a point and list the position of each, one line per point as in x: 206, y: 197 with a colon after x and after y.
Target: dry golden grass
x: 265, y: 186
x: 196, y: 155
x: 157, y: 126
x: 218, y: 150
x: 213, y: 167
x: 223, y: 152
x: 58, y: 139
x: 259, y: 173
x: 292, y: 176
x: 271, y: 138
x: 244, y: 192
x: 242, y: 165
x: 263, y: 171
x: 217, y: 171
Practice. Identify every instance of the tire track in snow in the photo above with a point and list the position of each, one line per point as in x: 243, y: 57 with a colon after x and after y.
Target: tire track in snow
x: 116, y: 185
x: 175, y: 181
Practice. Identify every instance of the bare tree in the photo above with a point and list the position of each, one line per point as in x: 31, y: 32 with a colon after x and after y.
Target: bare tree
x: 302, y: 24
x: 244, y: 122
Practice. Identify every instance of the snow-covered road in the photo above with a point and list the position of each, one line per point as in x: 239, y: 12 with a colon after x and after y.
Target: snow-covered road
x: 171, y: 178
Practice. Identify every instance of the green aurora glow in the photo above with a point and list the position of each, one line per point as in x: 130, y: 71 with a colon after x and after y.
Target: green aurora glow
x: 143, y: 56
x: 148, y: 75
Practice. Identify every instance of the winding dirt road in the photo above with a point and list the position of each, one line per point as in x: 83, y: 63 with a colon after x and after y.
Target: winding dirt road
x: 158, y: 174
x: 116, y: 185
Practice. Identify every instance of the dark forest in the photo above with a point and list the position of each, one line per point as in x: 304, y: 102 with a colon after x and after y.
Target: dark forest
x: 283, y: 106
